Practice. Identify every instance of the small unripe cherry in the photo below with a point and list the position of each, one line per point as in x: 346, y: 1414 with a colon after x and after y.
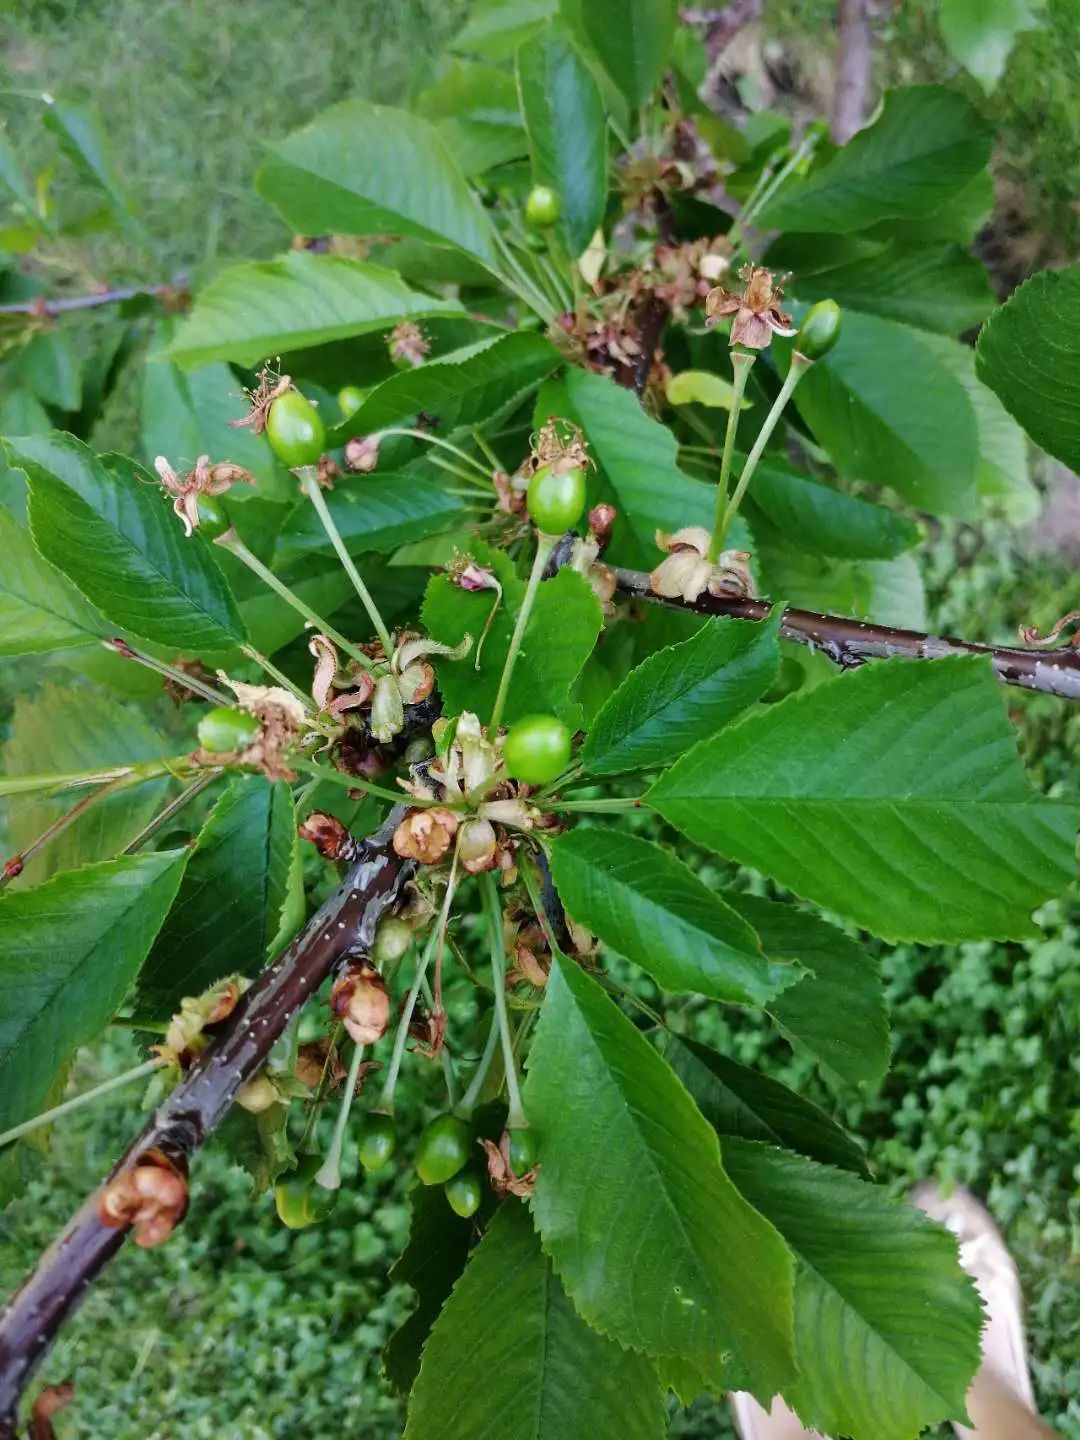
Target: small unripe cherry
x: 443, y: 1149
x: 350, y: 398
x: 820, y: 330
x: 556, y: 498
x: 258, y: 1095
x: 227, y: 729
x: 464, y: 1191
x: 537, y: 749
x: 523, y: 1150
x: 542, y: 207
x: 295, y: 430
x: 378, y: 1139
x: 392, y: 939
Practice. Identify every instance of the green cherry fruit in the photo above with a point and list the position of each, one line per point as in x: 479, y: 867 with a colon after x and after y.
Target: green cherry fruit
x: 464, y: 1192
x: 542, y: 208
x: 819, y: 330
x: 292, y: 1194
x: 350, y: 398
x: 537, y: 749
x: 225, y: 729
x: 443, y: 1150
x: 295, y: 430
x: 524, y: 1149
x: 556, y: 499
x: 320, y: 1201
x: 378, y: 1140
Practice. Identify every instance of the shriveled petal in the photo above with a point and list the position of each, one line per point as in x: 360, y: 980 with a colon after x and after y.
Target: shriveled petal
x: 326, y: 664
x: 413, y: 650
x: 719, y: 303
x: 696, y: 537
x: 682, y: 575
x: 750, y: 330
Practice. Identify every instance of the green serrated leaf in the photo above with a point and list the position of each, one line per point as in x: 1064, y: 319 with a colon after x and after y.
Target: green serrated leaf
x: 933, y: 287
x: 876, y: 1279
x: 926, y: 144
x: 110, y: 530
x: 559, y: 636
x: 743, y: 1104
x: 361, y: 169
x: 229, y: 905
x: 259, y: 309
x: 842, y: 980
x: 823, y: 520
x: 546, y: 1375
x: 39, y: 609
x: 48, y: 364
x: 61, y: 729
x: 567, y: 129
x: 928, y: 452
x: 647, y: 905
x: 69, y: 950
x: 633, y: 1205
x: 632, y: 39
x: 681, y: 695
x: 478, y: 383
x: 374, y: 514
x: 832, y: 793
x: 1027, y: 354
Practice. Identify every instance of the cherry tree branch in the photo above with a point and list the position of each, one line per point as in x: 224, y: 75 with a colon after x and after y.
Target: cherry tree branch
x: 855, y: 54
x: 40, y: 308
x: 344, y: 925
x: 850, y: 643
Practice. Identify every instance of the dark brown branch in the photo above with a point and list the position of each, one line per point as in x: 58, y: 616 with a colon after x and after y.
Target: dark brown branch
x: 849, y: 643
x: 345, y: 924
x: 853, y: 66
x: 42, y: 309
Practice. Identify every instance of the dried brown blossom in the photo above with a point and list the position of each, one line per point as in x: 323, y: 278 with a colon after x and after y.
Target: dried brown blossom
x: 205, y: 479
x: 52, y: 1399
x: 329, y: 836
x: 425, y: 835
x: 601, y: 520
x: 258, y: 1095
x: 502, y: 1177
x: 327, y: 471
x: 282, y: 718
x: 270, y: 386
x: 151, y: 1196
x: 362, y: 454
x: 408, y: 344
x: 757, y: 312
x: 360, y: 1000
x: 688, y: 572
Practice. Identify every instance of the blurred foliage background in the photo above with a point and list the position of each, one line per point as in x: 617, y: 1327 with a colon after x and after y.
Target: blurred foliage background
x: 239, y: 1326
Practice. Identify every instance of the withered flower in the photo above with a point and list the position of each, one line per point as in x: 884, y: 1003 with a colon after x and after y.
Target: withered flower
x: 52, y: 1399
x: 757, y: 312
x: 151, y: 1196
x: 501, y: 1174
x: 205, y: 479
x: 362, y: 454
x: 425, y: 835
x: 329, y: 836
x: 282, y: 718
x: 327, y: 471
x: 601, y: 520
x: 477, y: 845
x: 258, y: 1095
x: 688, y: 572
x: 360, y: 1000
x: 270, y: 386
x: 408, y: 344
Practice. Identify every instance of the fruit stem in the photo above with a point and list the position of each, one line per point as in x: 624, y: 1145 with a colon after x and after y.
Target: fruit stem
x: 78, y: 1101
x: 329, y: 1173
x: 545, y: 544
x: 444, y: 1054
x: 80, y: 779
x: 58, y: 826
x: 231, y: 541
x: 598, y: 807
x: 489, y: 454
x: 515, y: 1118
x: 799, y: 366
x: 180, y: 677
x: 438, y: 441
x: 356, y: 782
x: 173, y: 808
x: 742, y: 363
x: 310, y: 482
x: 468, y: 1100
x: 278, y: 676
x: 320, y: 1091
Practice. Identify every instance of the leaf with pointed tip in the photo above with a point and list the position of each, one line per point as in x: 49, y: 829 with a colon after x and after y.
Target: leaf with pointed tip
x: 683, y: 694
x: 647, y: 905
x: 926, y: 143
x: 109, y: 529
x: 227, y: 911
x: 361, y: 169
x: 39, y: 608
x: 832, y: 795
x: 632, y: 39
x: 69, y: 950
x: 842, y: 979
x: 567, y: 128
x: 741, y: 1103
x: 646, y: 1231
x: 258, y: 309
x: 61, y: 729
x: 547, y: 1376
x: 886, y: 1322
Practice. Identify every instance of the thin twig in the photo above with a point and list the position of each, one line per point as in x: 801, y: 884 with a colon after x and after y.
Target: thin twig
x: 855, y: 55
x: 41, y: 308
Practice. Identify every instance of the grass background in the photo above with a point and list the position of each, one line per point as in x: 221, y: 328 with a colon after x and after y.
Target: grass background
x: 240, y: 1327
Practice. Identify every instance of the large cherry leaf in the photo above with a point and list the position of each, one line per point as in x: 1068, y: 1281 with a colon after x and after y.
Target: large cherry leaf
x: 509, y: 1355
x: 631, y: 38
x: 821, y: 519
x: 111, y: 531
x: 39, y: 608
x: 69, y: 950
x: 647, y: 905
x: 361, y: 169
x: 893, y: 795
x: 646, y: 1231
x: 886, y: 1323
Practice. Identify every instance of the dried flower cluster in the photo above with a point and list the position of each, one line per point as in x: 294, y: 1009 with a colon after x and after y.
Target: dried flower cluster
x: 688, y: 572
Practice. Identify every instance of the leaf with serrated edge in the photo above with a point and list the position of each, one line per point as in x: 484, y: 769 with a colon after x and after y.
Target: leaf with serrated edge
x: 633, y: 1205
x: 893, y: 795
x: 683, y: 694
x: 647, y: 905
x: 69, y: 950
x: 361, y: 169
x: 842, y: 979
x: 107, y: 526
x: 933, y: 287
x: 744, y: 1104
x: 259, y: 309
x: 39, y: 609
x: 229, y: 904
x: 545, y: 1374
x: 886, y: 1323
